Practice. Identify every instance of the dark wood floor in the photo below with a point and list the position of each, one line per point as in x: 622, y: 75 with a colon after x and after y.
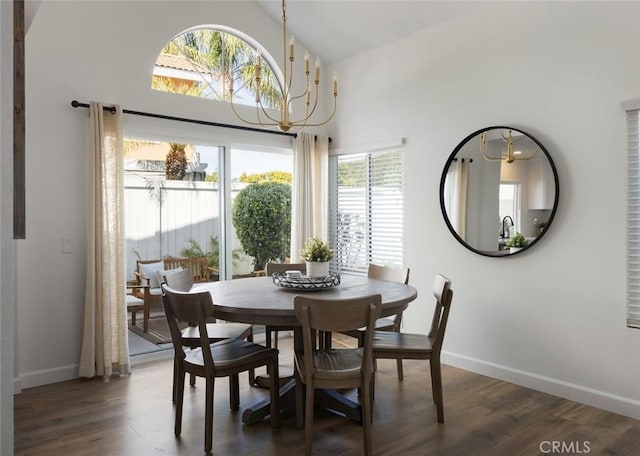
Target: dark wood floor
x: 133, y: 415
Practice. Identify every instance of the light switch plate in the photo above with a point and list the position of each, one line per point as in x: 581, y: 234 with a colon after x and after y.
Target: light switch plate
x: 66, y: 245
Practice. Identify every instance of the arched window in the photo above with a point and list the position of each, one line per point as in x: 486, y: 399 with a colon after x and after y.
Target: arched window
x: 210, y: 61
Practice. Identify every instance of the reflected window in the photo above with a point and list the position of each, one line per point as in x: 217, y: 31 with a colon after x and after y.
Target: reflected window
x: 509, y: 209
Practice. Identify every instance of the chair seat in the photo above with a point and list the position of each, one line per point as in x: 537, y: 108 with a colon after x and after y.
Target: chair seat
x: 231, y: 353
x: 385, y: 342
x: 132, y: 301
x: 341, y: 364
x: 382, y: 324
x: 216, y: 332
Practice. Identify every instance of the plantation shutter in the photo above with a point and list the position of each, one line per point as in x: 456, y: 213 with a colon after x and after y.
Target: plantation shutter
x: 633, y: 220
x: 367, y: 210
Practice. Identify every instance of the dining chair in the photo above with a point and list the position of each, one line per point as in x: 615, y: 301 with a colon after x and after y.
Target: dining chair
x: 392, y: 274
x: 271, y: 331
x: 226, y: 358
x: 334, y: 368
x: 398, y: 345
x: 182, y: 280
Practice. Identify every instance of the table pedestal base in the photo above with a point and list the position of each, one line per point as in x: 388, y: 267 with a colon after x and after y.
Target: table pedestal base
x: 329, y: 399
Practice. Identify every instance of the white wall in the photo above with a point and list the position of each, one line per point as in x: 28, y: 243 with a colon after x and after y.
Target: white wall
x: 7, y: 244
x: 95, y: 51
x: 552, y: 318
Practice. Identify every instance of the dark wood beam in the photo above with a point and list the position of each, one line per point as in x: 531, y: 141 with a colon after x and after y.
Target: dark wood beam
x: 19, y: 169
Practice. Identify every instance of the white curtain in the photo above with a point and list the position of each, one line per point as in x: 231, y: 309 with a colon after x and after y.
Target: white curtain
x: 105, y: 348
x: 310, y: 191
x: 456, y: 189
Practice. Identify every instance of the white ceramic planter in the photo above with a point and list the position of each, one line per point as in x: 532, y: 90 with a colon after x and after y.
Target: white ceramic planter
x: 317, y: 269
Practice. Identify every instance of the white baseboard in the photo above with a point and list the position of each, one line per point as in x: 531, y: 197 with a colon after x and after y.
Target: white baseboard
x: 589, y: 396
x: 45, y: 377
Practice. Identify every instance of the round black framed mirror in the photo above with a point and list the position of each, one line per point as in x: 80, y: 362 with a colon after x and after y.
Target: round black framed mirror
x: 499, y: 191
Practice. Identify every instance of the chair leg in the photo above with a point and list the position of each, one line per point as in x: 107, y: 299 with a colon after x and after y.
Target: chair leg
x: 192, y: 380
x: 208, y: 415
x: 367, y: 416
x: 179, y: 400
x: 234, y: 392
x: 400, y: 371
x: 308, y: 419
x: 145, y: 317
x: 274, y: 391
x: 133, y: 318
x: 436, y: 383
x: 174, y: 389
x: 299, y: 400
x: 373, y: 384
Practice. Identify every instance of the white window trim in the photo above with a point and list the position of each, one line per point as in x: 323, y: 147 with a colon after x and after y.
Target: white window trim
x: 633, y: 213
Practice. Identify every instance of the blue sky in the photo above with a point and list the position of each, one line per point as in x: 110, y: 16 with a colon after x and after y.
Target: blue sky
x: 243, y: 161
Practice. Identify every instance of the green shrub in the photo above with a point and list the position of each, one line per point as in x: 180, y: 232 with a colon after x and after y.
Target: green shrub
x: 261, y: 216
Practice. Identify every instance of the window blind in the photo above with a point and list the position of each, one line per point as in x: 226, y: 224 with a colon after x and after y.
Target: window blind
x: 367, y: 210
x: 633, y: 220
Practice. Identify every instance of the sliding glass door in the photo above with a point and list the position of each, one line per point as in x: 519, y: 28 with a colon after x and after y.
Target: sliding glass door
x: 230, y: 204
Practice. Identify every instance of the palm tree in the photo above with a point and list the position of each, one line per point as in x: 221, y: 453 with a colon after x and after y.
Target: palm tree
x: 229, y: 59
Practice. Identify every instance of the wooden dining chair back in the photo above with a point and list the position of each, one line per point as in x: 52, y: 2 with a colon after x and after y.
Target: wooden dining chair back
x: 181, y: 280
x: 272, y: 268
x: 226, y: 358
x: 271, y: 331
x: 334, y: 368
x: 391, y: 274
x: 397, y: 345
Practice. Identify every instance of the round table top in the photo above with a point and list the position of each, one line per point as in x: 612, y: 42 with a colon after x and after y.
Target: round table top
x: 257, y: 300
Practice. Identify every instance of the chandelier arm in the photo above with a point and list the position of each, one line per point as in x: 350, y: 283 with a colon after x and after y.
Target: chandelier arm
x: 262, y: 108
x: 492, y: 158
x: 315, y: 104
x: 335, y: 105
x: 245, y: 120
x: 303, y: 94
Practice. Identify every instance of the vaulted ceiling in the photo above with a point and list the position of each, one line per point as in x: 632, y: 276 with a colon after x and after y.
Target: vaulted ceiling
x: 338, y: 29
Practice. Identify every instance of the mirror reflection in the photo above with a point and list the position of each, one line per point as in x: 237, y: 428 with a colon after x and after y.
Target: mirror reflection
x: 499, y: 191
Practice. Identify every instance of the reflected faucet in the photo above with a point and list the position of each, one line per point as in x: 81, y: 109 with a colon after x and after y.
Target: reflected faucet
x: 505, y: 228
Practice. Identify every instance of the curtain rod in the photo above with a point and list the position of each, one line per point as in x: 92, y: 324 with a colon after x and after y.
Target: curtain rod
x: 77, y: 104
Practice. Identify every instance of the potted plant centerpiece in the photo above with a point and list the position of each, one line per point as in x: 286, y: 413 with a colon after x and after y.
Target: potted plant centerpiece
x: 317, y: 254
x: 516, y: 242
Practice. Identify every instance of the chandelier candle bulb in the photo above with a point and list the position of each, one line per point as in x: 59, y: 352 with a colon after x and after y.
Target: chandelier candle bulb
x: 291, y: 43
x: 335, y: 84
x: 317, y: 70
x: 306, y: 62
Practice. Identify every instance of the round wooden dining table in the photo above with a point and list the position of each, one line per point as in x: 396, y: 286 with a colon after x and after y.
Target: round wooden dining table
x: 257, y: 300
